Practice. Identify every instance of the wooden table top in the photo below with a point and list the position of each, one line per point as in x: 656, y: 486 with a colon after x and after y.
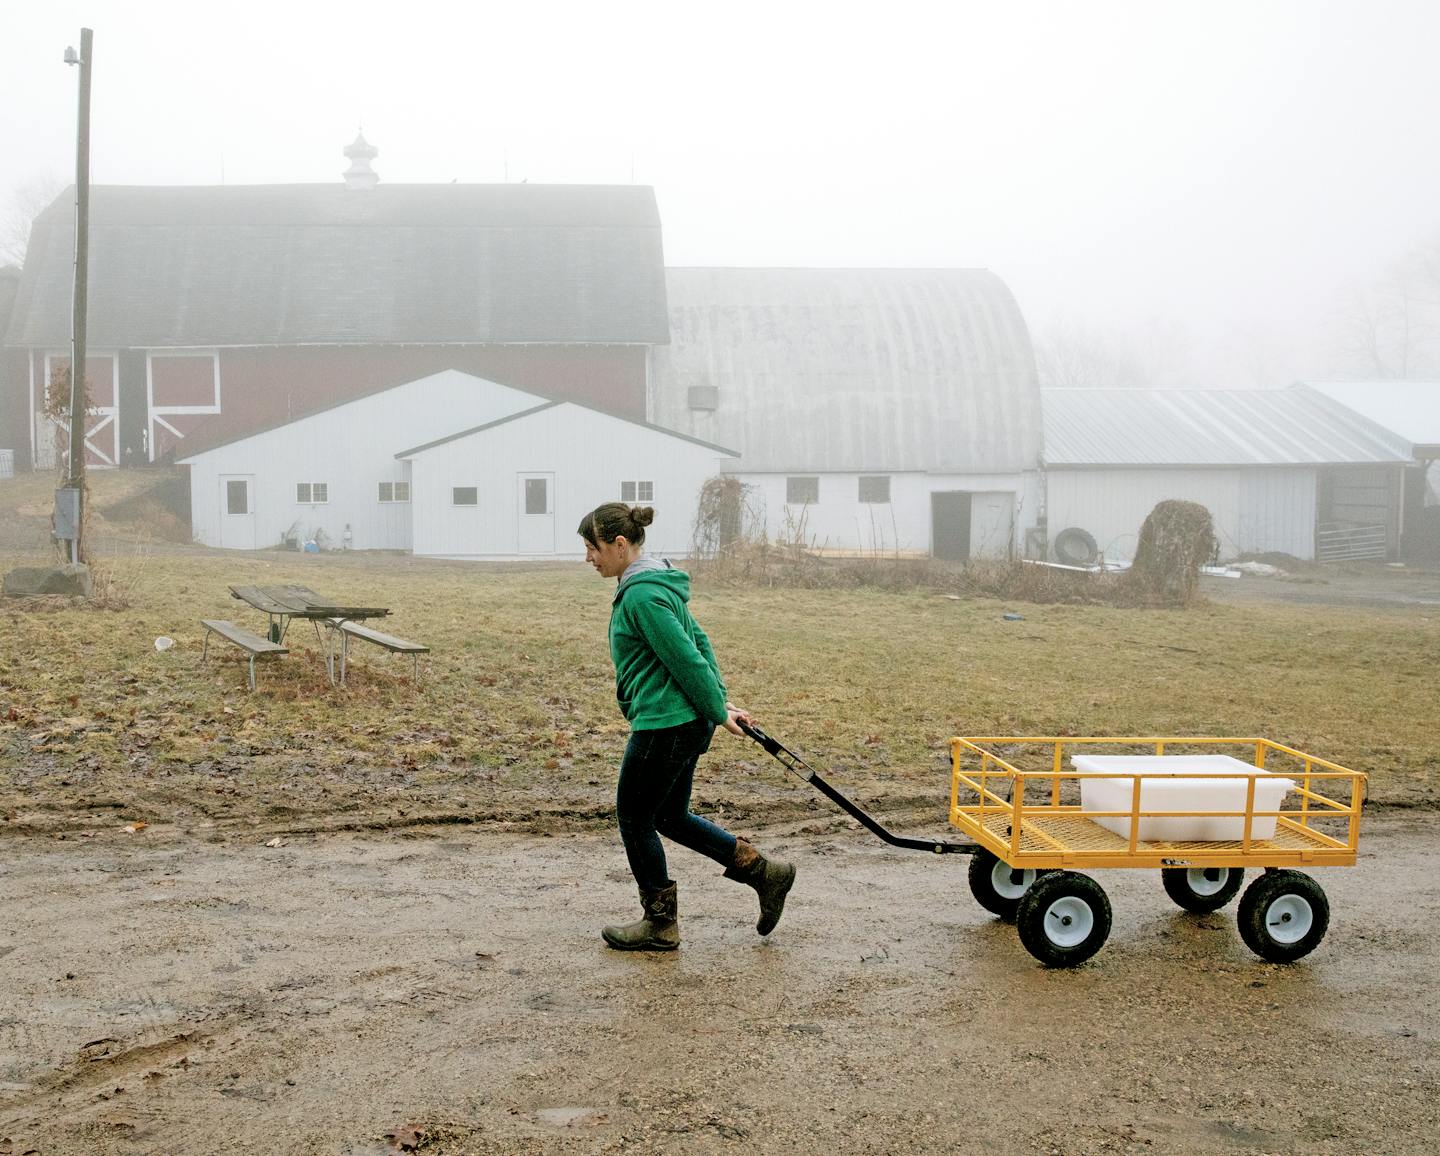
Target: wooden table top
x: 301, y: 602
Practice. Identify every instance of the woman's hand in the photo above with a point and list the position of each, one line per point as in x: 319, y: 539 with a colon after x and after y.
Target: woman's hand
x: 734, y: 717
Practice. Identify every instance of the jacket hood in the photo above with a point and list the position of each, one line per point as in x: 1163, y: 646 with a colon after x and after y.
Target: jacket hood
x: 676, y: 580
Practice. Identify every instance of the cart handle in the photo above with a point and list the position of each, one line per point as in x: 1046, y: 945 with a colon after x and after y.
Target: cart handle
x: 795, y: 764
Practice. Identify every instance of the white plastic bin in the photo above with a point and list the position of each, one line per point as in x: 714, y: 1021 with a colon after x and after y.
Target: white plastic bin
x: 1192, y: 789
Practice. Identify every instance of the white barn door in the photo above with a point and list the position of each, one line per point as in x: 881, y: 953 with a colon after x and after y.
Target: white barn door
x: 536, y: 516
x: 992, y: 524
x: 237, y: 511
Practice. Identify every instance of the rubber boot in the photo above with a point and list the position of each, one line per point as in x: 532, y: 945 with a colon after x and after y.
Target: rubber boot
x: 771, y: 880
x: 658, y: 929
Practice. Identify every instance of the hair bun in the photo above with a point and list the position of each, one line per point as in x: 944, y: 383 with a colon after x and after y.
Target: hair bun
x: 642, y: 515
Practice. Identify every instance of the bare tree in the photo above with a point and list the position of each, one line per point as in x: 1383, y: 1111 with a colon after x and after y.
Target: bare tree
x: 1076, y: 356
x: 1390, y: 330
x: 27, y: 200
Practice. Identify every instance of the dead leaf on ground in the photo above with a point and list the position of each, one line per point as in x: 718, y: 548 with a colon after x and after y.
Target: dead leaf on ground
x: 138, y: 825
x: 406, y: 1139
x: 276, y: 842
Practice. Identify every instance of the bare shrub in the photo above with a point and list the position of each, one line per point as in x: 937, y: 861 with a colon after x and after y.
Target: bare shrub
x: 149, y: 516
x: 1018, y: 581
x: 726, y: 517
x: 789, y: 568
x: 107, y: 591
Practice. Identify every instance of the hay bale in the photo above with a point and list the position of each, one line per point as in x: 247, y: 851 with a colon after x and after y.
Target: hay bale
x: 1176, y: 539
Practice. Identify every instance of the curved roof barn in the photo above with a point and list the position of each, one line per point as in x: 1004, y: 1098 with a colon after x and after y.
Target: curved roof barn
x: 867, y: 370
x: 326, y: 264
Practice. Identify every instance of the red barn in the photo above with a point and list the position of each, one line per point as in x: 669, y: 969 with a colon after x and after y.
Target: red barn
x: 216, y: 311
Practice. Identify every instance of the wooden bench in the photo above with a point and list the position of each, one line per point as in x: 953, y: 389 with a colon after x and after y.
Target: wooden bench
x: 258, y: 647
x: 349, y: 630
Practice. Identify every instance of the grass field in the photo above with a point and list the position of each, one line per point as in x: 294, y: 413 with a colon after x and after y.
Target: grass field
x: 514, y: 718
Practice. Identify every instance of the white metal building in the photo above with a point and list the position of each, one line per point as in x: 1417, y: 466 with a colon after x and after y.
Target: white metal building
x: 391, y: 472
x: 1279, y: 470
x: 518, y: 486
x: 335, y: 470
x: 875, y: 409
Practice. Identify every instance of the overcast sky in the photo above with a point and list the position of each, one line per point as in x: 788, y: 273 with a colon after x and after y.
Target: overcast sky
x: 1226, y: 167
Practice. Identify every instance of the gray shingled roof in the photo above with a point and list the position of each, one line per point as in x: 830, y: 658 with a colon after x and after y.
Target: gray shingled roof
x: 397, y: 264
x: 1219, y: 427
x: 851, y: 369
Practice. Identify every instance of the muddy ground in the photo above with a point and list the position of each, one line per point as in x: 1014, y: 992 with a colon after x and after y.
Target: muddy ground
x: 1356, y: 585
x: 197, y: 991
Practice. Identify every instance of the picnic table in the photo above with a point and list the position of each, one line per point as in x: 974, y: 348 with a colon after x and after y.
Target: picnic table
x: 281, y: 604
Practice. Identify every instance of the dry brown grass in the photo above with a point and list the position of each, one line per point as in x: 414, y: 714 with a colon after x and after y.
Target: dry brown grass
x: 514, y: 718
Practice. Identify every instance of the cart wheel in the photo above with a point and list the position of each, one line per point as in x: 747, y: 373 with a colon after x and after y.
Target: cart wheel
x: 1064, y: 918
x: 1283, y: 916
x: 997, y: 886
x: 1202, y: 889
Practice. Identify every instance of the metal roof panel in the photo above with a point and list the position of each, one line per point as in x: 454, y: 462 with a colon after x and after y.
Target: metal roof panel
x: 1223, y: 427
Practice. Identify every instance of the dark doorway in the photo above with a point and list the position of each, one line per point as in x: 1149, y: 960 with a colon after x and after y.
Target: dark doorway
x: 950, y: 525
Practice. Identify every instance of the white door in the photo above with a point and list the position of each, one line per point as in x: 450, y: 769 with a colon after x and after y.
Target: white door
x: 237, y: 511
x: 536, y: 516
x: 992, y: 522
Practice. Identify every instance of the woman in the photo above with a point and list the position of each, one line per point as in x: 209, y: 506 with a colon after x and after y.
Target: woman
x: 670, y: 692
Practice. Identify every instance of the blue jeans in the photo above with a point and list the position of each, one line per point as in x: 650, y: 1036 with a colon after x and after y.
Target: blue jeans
x: 653, y: 799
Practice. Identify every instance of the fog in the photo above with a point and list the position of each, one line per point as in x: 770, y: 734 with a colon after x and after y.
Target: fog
x: 1211, y: 183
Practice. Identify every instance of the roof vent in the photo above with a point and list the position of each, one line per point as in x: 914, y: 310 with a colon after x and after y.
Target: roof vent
x: 360, y: 175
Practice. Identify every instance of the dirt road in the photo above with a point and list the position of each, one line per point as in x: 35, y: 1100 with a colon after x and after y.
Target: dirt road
x: 171, y: 992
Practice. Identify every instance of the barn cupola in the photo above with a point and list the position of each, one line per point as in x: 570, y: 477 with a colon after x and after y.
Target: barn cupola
x: 360, y: 175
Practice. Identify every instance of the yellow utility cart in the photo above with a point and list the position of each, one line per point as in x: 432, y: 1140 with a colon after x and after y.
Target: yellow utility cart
x: 1038, y: 810
x: 1028, y: 811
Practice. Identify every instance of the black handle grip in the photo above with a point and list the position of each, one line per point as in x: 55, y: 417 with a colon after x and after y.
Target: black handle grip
x: 795, y: 763
x: 772, y: 746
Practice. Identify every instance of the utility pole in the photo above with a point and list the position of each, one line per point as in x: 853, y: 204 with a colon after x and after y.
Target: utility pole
x: 75, y: 482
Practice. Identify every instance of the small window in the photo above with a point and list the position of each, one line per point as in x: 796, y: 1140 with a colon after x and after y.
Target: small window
x: 705, y: 397
x: 802, y: 491
x: 637, y: 491
x: 237, y: 497
x: 875, y: 491
x: 394, y: 491
x: 312, y: 493
x: 537, y: 495
x: 465, y: 496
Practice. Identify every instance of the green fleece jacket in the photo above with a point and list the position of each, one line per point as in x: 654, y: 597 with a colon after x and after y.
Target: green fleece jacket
x: 665, y: 671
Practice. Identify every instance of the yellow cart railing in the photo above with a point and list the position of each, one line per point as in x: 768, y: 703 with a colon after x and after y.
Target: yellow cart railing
x: 1008, y: 794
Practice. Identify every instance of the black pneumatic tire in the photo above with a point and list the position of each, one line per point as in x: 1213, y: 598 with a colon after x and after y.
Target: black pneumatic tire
x: 997, y: 887
x: 1283, y: 916
x: 1202, y: 889
x: 1063, y: 919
